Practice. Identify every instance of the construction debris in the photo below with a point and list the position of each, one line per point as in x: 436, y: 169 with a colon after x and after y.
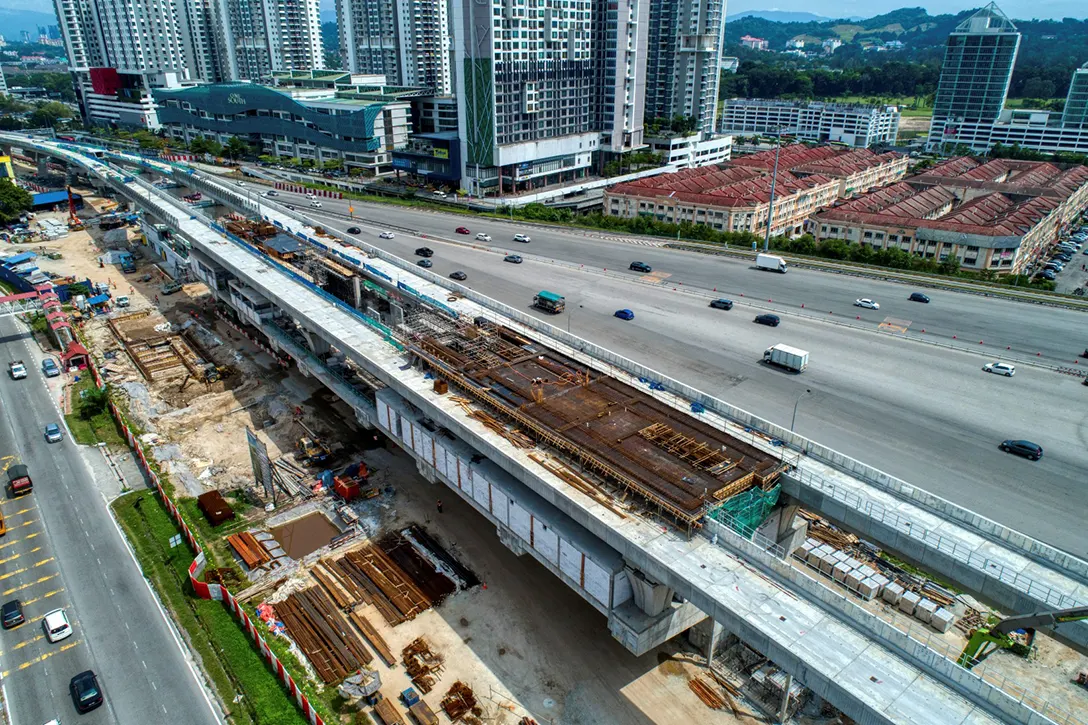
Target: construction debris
x: 322, y: 634
x: 422, y: 664
x: 459, y: 701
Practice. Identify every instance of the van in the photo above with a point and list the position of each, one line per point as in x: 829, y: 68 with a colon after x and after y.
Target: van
x: 315, y: 203
x: 122, y: 301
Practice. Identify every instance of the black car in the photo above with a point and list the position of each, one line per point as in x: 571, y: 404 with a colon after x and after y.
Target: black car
x: 1064, y: 257
x: 771, y: 320
x: 354, y: 230
x: 459, y: 276
x: 425, y: 263
x: 722, y: 304
x: 640, y: 267
x: 86, y: 694
x: 1027, y: 449
x: 12, y: 614
x: 425, y: 252
x: 918, y: 297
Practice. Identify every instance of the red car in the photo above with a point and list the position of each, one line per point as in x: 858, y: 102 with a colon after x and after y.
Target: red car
x: 463, y: 230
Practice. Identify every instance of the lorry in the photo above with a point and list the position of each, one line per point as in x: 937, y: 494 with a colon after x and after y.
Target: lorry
x: 549, y: 302
x: 19, y: 480
x: 786, y: 357
x: 771, y: 263
x: 17, y: 369
x: 128, y: 262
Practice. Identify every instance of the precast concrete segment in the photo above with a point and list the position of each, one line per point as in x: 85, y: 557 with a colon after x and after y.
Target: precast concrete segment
x: 718, y: 583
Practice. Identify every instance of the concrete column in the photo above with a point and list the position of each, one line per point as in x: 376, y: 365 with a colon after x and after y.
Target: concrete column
x: 358, y: 286
x: 649, y: 596
x: 317, y: 344
x: 43, y: 165
x: 396, y: 314
x: 784, y: 707
x: 785, y: 519
x: 712, y: 645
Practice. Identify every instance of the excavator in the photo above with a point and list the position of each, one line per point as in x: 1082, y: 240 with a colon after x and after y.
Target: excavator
x: 984, y: 641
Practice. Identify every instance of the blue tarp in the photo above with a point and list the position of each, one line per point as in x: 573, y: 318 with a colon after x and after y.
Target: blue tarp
x: 98, y: 299
x: 48, y: 199
x: 20, y: 258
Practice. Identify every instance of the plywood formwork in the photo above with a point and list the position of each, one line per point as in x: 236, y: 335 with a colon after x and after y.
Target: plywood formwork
x: 673, y: 460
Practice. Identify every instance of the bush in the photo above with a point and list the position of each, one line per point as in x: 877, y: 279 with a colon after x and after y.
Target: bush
x: 93, y: 402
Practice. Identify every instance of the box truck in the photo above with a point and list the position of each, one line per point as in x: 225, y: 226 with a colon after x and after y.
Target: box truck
x: 784, y: 356
x: 771, y: 262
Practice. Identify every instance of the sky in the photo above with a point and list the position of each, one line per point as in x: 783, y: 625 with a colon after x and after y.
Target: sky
x: 1018, y: 9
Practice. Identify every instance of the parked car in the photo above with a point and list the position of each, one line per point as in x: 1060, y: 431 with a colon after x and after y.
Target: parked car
x: 640, y: 267
x: 426, y: 263
x: 1000, y: 368
x: 354, y: 230
x: 522, y: 238
x: 86, y: 693
x: 771, y: 320
x: 1048, y: 274
x: 440, y: 194
x: 11, y: 614
x: 425, y: 252
x: 625, y: 314
x: 171, y: 287
x: 386, y: 235
x: 867, y: 303
x: 463, y: 230
x: 56, y: 625
x: 722, y: 304
x: 1027, y: 449
x: 53, y: 433
x: 480, y: 236
x: 918, y: 297
x: 513, y: 258
x: 49, y: 368
x: 459, y: 276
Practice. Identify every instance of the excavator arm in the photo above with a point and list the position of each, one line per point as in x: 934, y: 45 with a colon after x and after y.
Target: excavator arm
x: 985, y: 641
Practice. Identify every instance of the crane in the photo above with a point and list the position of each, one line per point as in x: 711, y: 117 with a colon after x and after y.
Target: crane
x: 984, y: 641
x: 74, y: 222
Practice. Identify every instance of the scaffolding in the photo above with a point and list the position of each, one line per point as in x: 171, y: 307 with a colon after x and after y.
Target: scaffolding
x: 746, y: 512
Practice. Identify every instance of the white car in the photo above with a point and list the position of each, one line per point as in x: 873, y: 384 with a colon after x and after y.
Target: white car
x: 315, y: 203
x: 386, y: 235
x: 867, y: 304
x: 56, y: 625
x: 1000, y: 368
x: 270, y: 192
x: 483, y: 237
x: 522, y: 238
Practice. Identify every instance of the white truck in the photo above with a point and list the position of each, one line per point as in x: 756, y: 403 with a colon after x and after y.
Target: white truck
x: 790, y: 358
x: 771, y: 262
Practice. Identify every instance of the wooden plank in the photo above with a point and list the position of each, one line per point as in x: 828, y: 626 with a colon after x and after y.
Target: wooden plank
x: 371, y: 634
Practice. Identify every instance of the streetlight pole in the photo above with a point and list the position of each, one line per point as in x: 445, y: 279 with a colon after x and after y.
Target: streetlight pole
x: 770, y: 203
x: 799, y: 397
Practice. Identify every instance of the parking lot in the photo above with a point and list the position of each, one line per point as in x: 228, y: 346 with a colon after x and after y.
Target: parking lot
x: 1067, y: 264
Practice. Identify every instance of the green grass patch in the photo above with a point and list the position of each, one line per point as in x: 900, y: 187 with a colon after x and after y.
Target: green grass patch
x: 921, y: 573
x: 908, y: 105
x: 99, y: 428
x: 230, y: 658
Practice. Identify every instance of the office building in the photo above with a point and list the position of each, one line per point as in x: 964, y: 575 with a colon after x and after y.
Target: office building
x: 998, y: 215
x: 3, y: 83
x: 851, y: 124
x: 683, y: 60
x: 541, y: 91
x: 679, y: 151
x: 310, y: 115
x: 969, y: 112
x: 119, y: 51
x: 407, y: 41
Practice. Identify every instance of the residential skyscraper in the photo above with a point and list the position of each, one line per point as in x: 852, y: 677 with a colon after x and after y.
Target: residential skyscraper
x: 407, y: 41
x: 683, y: 57
x: 542, y: 87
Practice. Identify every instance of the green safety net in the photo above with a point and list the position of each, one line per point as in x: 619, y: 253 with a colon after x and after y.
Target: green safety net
x: 746, y: 512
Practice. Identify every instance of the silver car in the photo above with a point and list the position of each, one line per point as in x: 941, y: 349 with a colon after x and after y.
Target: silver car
x: 1000, y: 368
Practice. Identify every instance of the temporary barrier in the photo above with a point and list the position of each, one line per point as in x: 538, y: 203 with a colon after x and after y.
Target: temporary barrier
x: 299, y: 189
x: 203, y: 589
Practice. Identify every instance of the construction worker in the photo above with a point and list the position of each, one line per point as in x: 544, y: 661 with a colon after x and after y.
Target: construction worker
x: 439, y: 505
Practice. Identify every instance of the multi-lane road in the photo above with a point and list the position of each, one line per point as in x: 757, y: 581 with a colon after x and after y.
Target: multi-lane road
x: 62, y: 550
x: 924, y: 413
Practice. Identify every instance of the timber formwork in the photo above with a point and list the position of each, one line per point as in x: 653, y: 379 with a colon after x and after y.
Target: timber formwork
x: 677, y: 463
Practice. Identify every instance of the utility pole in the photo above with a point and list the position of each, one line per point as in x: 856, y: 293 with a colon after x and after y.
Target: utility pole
x: 770, y: 203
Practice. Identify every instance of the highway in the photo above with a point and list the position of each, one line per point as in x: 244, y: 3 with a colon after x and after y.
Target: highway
x: 62, y: 549
x: 926, y: 414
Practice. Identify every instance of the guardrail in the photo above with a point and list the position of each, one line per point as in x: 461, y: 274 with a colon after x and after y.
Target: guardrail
x: 899, y: 633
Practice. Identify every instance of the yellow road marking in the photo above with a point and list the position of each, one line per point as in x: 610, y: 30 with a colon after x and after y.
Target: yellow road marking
x: 10, y: 558
x: 32, y: 640
x: 21, y: 587
x: 12, y: 573
x: 25, y: 523
x: 41, y: 657
x: 27, y: 602
x: 44, y: 561
x: 23, y: 511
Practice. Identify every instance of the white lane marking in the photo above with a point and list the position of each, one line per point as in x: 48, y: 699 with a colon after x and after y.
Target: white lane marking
x: 185, y: 655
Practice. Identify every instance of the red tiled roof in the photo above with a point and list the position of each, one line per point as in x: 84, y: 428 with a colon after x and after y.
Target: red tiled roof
x: 825, y: 160
x: 719, y: 186
x: 1010, y: 176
